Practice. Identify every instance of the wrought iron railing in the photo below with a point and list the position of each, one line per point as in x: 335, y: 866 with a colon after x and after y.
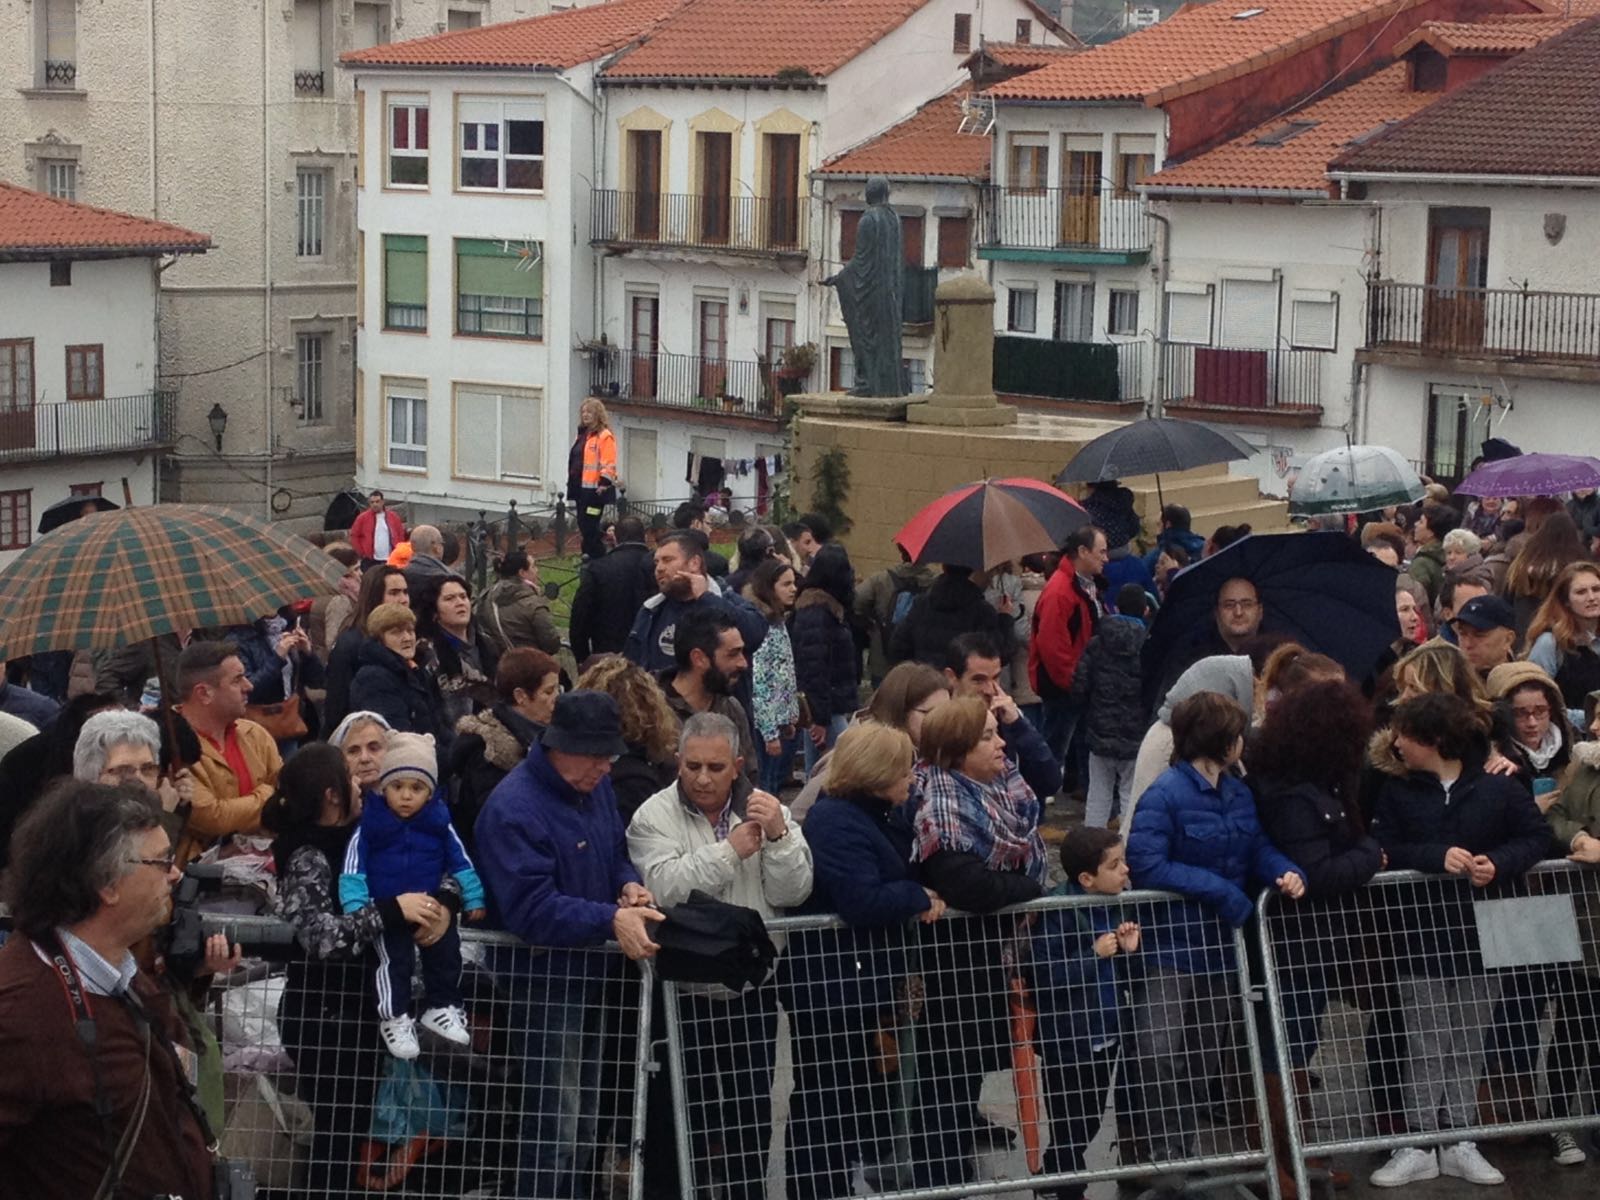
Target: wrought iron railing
x: 735, y: 387
x: 308, y: 83
x: 1515, y: 323
x: 1098, y: 218
x: 78, y: 427
x: 1092, y: 372
x: 1233, y: 377
x: 59, y: 73
x: 751, y: 224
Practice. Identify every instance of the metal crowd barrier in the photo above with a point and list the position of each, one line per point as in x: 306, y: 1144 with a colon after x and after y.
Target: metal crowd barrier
x: 1433, y: 1012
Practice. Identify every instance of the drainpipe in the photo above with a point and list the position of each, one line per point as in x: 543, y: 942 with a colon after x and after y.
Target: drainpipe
x: 1156, y: 407
x: 266, y: 243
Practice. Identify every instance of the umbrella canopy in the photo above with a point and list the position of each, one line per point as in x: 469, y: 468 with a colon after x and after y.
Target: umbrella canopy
x: 70, y: 509
x: 1353, y: 479
x: 1533, y: 475
x: 1153, y: 446
x: 981, y: 525
x: 1321, y: 589
x: 115, y: 578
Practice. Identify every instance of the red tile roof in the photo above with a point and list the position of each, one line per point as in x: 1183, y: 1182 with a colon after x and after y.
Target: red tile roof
x: 1504, y: 33
x: 1569, y: 8
x: 33, y: 225
x: 1023, y: 54
x: 1197, y: 46
x: 1538, y: 114
x: 553, y: 41
x: 759, y: 39
x: 925, y: 143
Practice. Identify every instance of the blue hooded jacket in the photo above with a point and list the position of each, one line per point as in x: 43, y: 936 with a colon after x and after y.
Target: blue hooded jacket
x: 388, y: 856
x: 1077, y: 993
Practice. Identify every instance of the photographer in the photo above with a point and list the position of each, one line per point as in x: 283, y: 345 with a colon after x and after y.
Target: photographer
x: 95, y: 1089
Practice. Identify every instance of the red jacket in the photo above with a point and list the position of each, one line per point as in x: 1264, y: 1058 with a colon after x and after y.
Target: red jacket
x: 361, y: 530
x: 1063, y: 622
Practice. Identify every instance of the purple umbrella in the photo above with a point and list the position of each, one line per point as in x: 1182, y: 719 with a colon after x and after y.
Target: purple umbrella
x: 1533, y: 475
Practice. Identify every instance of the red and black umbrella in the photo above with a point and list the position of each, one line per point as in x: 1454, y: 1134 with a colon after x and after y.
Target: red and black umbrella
x: 981, y: 525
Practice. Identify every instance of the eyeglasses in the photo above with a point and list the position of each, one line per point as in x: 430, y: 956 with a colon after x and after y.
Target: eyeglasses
x: 150, y: 772
x: 1239, y: 606
x: 163, y: 864
x: 1531, y: 714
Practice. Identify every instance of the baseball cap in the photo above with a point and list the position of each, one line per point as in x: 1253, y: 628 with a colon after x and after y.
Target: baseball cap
x: 1484, y: 613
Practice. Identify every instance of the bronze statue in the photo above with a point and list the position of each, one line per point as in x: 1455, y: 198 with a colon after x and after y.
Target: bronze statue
x: 870, y: 290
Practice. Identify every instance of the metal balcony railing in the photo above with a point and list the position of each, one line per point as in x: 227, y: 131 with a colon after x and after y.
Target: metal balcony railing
x: 1098, y: 218
x: 1242, y: 378
x: 749, y: 224
x: 60, y: 74
x: 308, y: 83
x: 736, y: 387
x: 1511, y: 323
x: 81, y: 427
x: 1090, y: 372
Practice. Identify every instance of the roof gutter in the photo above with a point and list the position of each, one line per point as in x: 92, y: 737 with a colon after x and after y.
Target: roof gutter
x: 1559, y: 181
x: 487, y: 68
x: 862, y: 176
x: 1182, y: 192
x: 47, y: 253
x: 812, y: 84
x: 1113, y: 102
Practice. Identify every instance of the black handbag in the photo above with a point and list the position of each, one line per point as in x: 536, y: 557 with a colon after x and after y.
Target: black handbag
x: 704, y: 940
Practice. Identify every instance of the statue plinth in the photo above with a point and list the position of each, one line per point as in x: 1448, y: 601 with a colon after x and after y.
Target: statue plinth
x: 843, y: 404
x: 963, y: 359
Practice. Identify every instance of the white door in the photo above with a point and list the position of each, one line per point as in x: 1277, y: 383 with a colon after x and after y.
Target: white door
x: 640, y: 470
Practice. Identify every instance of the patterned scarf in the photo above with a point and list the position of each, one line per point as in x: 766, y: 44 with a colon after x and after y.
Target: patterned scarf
x: 996, y: 821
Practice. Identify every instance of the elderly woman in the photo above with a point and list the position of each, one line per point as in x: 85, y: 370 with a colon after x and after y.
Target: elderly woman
x: 976, y: 843
x: 116, y: 746
x: 362, y: 737
x: 490, y: 744
x: 842, y: 983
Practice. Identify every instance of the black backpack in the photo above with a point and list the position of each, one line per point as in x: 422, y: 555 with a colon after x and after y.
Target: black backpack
x: 704, y: 940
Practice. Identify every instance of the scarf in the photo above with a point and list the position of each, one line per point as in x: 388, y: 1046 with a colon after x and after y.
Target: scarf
x: 996, y: 821
x: 1547, y: 749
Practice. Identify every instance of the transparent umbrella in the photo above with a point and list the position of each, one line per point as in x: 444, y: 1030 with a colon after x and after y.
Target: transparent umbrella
x: 1353, y: 479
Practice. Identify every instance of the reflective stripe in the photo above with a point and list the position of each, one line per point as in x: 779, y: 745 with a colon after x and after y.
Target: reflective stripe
x: 599, y: 458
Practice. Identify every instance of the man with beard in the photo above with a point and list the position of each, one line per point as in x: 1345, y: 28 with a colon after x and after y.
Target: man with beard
x: 685, y: 587
x: 710, y: 654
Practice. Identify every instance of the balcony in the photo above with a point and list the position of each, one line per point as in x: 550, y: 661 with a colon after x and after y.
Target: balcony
x: 1274, y: 387
x: 727, y: 224
x: 1559, y: 330
x: 60, y: 75
x: 308, y: 83
x: 1085, y: 372
x: 73, y: 428
x: 1064, y: 225
x: 730, y: 386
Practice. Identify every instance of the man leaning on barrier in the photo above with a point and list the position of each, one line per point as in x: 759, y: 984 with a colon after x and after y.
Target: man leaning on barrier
x: 552, y: 851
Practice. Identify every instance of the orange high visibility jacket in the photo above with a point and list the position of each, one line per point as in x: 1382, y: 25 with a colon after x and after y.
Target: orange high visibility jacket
x: 599, y: 458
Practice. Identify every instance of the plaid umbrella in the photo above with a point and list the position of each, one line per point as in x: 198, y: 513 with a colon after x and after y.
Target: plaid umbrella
x: 981, y: 525
x: 115, y: 578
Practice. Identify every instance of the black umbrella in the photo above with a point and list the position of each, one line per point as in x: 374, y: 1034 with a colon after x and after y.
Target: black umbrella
x: 1321, y: 589
x: 70, y: 509
x: 1153, y: 446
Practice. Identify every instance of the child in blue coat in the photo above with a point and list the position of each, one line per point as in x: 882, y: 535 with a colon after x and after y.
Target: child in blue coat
x: 403, y: 848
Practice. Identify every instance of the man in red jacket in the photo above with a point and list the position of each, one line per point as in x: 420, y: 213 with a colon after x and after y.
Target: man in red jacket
x: 1064, y: 620
x: 375, y: 532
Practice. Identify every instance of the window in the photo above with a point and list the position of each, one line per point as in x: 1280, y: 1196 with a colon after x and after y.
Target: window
x: 86, y: 490
x: 1074, y: 312
x: 60, y: 177
x: 501, y: 145
x: 841, y: 369
x: 408, y: 141
x: 308, y: 352
x: 961, y: 42
x: 16, y: 376
x: 370, y: 26
x: 405, y: 282
x: 311, y: 186
x: 1135, y: 164
x: 85, y: 373
x: 499, y: 291
x: 1024, y: 32
x: 60, y: 272
x: 1189, y: 314
x: 955, y: 241
x: 1249, y: 313
x: 463, y: 18
x: 916, y: 373
x: 1022, y: 305
x: 408, y: 428
x: 1027, y: 163
x: 309, y: 68
x: 16, y: 519
x: 498, y: 432
x: 1123, y: 315
x: 1314, y: 320
x: 57, y: 41
x: 849, y: 222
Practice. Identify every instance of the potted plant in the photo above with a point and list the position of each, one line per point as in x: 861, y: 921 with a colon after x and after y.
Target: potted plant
x: 795, y: 365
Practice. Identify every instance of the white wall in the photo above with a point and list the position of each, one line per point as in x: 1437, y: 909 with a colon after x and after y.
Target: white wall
x: 110, y: 302
x: 675, y: 439
x: 1058, y: 120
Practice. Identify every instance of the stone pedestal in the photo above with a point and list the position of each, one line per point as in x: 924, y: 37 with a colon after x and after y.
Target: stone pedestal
x: 963, y: 359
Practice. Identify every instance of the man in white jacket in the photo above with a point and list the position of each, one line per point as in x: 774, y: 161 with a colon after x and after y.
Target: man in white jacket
x: 711, y: 832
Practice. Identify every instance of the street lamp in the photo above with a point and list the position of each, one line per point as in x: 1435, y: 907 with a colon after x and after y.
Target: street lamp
x: 217, y: 418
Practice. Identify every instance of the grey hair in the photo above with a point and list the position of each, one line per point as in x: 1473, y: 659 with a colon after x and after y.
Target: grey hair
x: 1463, y: 540
x: 114, y: 727
x: 709, y: 725
x: 362, y: 716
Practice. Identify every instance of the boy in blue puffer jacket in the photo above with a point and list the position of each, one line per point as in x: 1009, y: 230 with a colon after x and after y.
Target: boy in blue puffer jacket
x: 403, y: 848
x: 1080, y: 992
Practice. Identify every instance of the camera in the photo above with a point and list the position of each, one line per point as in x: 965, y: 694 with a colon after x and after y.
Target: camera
x: 184, y: 939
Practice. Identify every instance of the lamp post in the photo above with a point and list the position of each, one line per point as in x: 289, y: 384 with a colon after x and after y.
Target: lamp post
x: 217, y: 418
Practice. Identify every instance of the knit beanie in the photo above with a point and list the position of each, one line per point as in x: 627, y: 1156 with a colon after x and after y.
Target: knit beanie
x: 389, y: 616
x: 410, y: 756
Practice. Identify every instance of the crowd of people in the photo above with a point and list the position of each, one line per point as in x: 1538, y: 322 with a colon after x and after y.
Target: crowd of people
x: 773, y: 733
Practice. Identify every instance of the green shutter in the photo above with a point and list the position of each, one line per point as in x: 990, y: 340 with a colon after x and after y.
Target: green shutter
x: 405, y: 269
x: 485, y: 269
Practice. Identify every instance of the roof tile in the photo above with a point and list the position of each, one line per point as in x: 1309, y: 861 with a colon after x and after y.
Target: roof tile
x: 1538, y: 114
x: 1024, y: 54
x: 31, y: 222
x: 925, y: 143
x: 1505, y: 33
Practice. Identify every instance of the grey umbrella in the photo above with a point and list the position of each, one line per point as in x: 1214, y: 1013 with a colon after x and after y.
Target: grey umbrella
x: 1353, y: 479
x: 1153, y: 446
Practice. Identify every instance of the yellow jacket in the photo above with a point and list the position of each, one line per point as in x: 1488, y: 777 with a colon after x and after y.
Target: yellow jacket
x: 219, y: 809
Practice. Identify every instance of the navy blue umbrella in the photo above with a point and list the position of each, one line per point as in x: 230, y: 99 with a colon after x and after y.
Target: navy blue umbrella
x: 1321, y: 589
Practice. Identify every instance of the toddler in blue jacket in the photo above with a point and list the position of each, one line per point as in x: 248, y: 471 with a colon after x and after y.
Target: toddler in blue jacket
x: 404, y: 847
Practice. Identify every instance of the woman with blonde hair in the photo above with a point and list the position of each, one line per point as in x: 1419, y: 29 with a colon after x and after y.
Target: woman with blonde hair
x: 1562, y: 636
x: 649, y: 728
x: 592, y: 472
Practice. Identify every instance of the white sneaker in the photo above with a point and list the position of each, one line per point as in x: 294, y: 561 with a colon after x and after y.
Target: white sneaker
x: 1462, y: 1161
x: 448, y: 1023
x: 1566, y: 1151
x: 1406, y: 1165
x: 400, y: 1036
